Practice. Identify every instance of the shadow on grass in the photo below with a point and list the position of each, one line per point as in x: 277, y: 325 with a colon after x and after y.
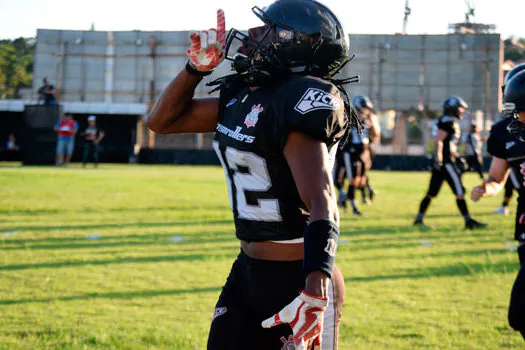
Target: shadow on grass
x: 442, y: 271
x: 123, y: 225
x: 50, y: 211
x: 130, y: 260
x: 462, y: 253
x: 52, y: 243
x: 114, y: 295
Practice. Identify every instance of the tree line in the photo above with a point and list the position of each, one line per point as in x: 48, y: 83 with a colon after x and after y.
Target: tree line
x: 16, y: 66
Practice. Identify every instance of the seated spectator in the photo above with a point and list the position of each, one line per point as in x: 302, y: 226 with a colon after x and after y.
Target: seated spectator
x: 92, y: 137
x: 47, y: 93
x: 12, y: 149
x: 67, y: 128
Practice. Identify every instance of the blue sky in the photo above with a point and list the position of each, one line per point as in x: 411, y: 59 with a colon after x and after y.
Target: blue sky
x: 23, y: 17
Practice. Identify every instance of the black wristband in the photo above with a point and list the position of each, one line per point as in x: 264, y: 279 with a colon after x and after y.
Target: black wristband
x: 191, y: 70
x: 320, y: 245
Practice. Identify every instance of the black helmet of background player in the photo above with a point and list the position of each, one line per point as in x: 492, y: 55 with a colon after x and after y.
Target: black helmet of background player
x: 360, y: 102
x: 300, y: 36
x: 514, y: 104
x: 454, y: 106
x: 510, y: 74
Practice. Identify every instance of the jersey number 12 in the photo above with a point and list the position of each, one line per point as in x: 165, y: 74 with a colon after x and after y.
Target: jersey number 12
x: 247, y: 172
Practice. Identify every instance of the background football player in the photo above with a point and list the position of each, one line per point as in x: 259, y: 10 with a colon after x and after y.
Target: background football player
x: 355, y: 169
x: 506, y: 144
x: 444, y: 162
x: 278, y: 122
x: 371, y: 137
x: 473, y: 149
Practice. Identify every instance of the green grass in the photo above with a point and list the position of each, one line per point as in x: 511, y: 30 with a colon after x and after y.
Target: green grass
x: 133, y: 287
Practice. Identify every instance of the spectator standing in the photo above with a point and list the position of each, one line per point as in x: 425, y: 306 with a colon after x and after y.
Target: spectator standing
x: 47, y: 93
x: 92, y: 137
x: 67, y: 128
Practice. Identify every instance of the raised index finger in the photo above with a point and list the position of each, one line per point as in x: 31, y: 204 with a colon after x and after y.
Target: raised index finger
x: 221, y: 27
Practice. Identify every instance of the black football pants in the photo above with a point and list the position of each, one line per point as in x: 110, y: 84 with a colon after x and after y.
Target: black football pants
x: 257, y: 289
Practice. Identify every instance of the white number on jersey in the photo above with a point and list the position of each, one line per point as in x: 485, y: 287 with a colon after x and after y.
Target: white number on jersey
x: 257, y: 179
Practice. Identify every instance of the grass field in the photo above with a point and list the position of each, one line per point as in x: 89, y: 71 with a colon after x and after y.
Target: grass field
x: 134, y: 257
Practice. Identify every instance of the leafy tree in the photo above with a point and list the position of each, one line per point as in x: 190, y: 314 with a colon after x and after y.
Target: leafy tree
x: 16, y: 66
x: 515, y: 49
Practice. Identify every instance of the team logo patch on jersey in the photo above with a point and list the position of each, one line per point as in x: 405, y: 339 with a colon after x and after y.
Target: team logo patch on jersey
x: 315, y: 99
x: 331, y: 247
x: 219, y: 311
x: 252, y: 117
x: 288, y: 344
x: 232, y: 102
x: 510, y: 144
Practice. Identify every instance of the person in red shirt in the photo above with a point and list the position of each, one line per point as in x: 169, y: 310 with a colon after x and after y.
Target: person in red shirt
x: 66, y: 128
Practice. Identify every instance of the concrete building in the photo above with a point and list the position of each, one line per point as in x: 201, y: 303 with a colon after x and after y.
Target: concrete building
x: 403, y: 74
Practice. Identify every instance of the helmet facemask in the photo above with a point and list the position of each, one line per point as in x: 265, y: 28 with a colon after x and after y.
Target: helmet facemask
x: 515, y: 127
x: 260, y: 60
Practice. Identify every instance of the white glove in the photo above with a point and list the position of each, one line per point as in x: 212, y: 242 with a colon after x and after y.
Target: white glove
x: 305, y: 316
x: 207, y: 47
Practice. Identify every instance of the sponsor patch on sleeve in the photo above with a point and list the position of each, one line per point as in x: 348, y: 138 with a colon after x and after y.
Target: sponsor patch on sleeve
x: 315, y: 99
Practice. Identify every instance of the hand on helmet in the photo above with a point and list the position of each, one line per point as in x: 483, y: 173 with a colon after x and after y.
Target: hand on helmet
x: 207, y: 47
x: 305, y: 316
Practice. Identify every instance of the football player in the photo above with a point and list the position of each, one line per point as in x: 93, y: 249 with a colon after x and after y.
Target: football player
x: 473, y: 146
x: 277, y: 123
x: 372, y: 135
x: 506, y: 144
x: 339, y: 174
x: 443, y: 163
x: 512, y: 181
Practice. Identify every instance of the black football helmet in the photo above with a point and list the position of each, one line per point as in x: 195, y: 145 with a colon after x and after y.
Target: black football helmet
x: 360, y: 102
x: 301, y: 36
x: 514, y: 103
x: 511, y: 74
x: 452, y: 104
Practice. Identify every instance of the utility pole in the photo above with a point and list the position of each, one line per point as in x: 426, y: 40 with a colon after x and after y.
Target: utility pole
x: 408, y: 11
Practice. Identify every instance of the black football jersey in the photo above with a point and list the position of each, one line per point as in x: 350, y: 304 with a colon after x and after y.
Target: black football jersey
x: 450, y: 143
x: 250, y: 137
x: 503, y: 145
x: 356, y: 142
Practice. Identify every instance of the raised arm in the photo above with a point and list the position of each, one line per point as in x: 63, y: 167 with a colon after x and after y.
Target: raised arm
x: 177, y: 111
